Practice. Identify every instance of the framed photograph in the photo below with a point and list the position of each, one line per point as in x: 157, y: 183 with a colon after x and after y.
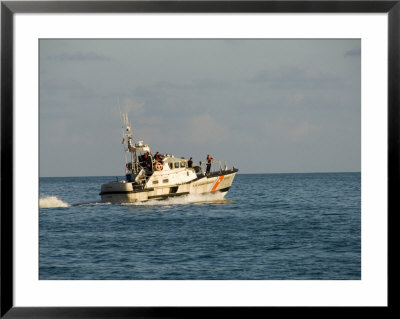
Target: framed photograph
x: 182, y: 158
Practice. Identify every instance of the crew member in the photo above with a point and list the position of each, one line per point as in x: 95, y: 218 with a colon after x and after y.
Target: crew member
x: 157, y: 156
x: 209, y: 159
x: 147, y: 160
x: 190, y: 162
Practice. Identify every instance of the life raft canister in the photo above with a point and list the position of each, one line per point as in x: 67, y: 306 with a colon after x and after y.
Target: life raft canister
x: 159, y: 166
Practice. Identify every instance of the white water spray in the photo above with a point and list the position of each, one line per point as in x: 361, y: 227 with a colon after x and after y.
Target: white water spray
x: 183, y: 200
x: 51, y: 202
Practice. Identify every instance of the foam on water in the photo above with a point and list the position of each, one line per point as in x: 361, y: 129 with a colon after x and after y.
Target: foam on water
x: 94, y: 203
x: 185, y: 199
x: 51, y: 202
x: 54, y: 201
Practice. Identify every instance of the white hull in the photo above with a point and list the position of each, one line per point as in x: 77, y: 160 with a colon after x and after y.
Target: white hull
x: 127, y: 192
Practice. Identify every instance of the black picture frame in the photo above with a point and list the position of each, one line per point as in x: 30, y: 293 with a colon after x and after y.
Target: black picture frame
x: 9, y: 8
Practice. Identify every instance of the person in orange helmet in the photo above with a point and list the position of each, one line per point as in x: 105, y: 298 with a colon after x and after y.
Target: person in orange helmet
x: 147, y: 160
x: 209, y: 160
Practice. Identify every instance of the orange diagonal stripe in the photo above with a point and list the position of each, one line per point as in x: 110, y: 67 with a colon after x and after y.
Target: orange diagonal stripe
x: 217, y: 183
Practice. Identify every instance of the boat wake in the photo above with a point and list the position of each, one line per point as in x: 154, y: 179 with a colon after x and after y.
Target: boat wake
x: 91, y: 204
x: 216, y: 198
x: 52, y: 202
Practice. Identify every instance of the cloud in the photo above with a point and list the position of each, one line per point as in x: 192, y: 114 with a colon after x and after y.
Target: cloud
x: 195, y: 130
x: 294, y: 77
x: 131, y: 106
x: 176, y: 99
x: 58, y: 84
x: 208, y: 84
x: 65, y: 88
x: 203, y: 129
x: 289, y: 129
x: 79, y: 56
x: 354, y: 52
x: 194, y: 84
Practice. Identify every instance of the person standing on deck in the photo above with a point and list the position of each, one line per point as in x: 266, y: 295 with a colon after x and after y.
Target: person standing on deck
x: 209, y: 159
x: 147, y: 161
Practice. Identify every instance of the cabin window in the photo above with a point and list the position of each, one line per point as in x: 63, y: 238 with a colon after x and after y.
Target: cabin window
x: 170, y: 166
x: 176, y: 164
x: 183, y: 164
x: 155, y: 182
x: 173, y: 190
x: 165, y: 180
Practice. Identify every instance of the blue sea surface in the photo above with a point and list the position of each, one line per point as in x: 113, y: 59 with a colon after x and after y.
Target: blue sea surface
x: 268, y: 227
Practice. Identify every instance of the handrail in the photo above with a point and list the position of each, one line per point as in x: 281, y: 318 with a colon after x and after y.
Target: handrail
x: 214, y: 168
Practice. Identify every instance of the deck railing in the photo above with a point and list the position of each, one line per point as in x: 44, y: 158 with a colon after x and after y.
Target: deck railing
x: 216, y: 166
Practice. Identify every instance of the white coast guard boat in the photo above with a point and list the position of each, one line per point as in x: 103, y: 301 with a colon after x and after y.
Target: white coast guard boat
x: 159, y: 176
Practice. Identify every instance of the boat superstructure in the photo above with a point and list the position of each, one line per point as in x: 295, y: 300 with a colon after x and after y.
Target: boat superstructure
x: 160, y: 176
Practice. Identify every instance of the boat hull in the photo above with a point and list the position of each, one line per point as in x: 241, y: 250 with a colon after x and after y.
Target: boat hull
x: 126, y: 192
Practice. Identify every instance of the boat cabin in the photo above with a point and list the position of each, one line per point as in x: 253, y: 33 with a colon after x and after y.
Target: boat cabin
x: 171, y: 163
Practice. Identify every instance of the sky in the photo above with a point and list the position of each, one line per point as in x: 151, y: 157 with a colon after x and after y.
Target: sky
x: 261, y: 105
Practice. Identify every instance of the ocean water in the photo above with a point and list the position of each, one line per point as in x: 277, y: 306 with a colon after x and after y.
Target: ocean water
x: 268, y: 227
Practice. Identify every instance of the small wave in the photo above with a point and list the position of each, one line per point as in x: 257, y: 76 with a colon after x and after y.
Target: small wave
x: 183, y: 200
x: 51, y: 202
x: 95, y: 203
